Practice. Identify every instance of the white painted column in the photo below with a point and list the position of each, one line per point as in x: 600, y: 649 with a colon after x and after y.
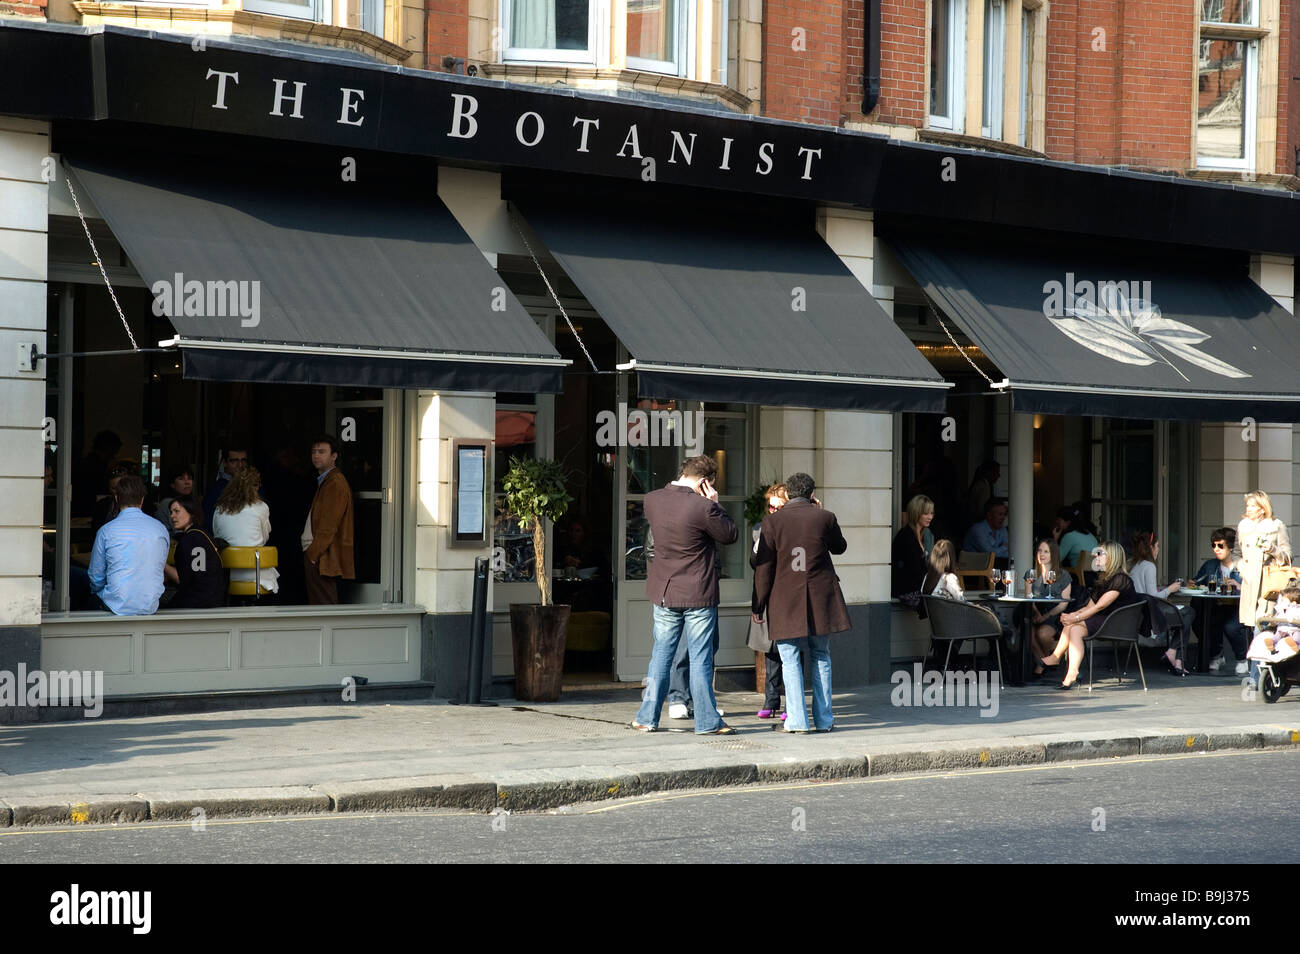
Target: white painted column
x: 1276, y: 275
x: 24, y: 210
x: 1021, y: 473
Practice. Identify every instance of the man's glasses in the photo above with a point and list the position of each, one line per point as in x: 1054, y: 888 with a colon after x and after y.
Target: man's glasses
x: 1219, y: 546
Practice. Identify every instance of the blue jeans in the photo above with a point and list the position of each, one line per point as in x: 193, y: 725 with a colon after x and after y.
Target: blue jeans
x: 679, y: 681
x: 792, y: 669
x: 700, y: 627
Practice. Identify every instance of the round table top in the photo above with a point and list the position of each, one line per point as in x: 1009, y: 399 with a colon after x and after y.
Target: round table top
x: 1206, y: 594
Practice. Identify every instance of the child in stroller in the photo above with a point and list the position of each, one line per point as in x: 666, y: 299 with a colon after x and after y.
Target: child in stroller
x: 1275, y: 654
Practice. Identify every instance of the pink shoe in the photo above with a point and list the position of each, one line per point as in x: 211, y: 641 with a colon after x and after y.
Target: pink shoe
x: 766, y: 713
x: 782, y: 716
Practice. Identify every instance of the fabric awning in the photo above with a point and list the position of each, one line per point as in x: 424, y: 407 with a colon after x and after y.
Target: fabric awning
x: 715, y: 308
x: 266, y: 279
x: 1098, y: 332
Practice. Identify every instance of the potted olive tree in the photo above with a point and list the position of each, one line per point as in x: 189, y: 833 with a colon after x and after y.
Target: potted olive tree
x: 535, y: 492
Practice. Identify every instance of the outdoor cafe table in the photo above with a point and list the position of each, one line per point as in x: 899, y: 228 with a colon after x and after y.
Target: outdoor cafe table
x: 1203, y: 651
x: 1022, y: 669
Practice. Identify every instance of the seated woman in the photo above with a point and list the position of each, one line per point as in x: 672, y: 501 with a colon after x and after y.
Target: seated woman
x: 1074, y: 534
x: 940, y: 580
x: 1142, y: 568
x: 180, y: 483
x: 911, y: 546
x: 1050, y: 580
x: 198, y: 572
x: 1113, y: 590
x: 243, y: 519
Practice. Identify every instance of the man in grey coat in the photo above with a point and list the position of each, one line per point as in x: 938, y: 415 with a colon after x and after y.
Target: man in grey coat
x: 682, y: 584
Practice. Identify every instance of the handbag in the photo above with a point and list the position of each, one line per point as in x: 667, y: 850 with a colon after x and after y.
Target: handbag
x: 760, y: 639
x: 1278, y: 577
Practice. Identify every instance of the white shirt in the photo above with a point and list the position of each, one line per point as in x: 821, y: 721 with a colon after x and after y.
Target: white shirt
x: 251, y: 527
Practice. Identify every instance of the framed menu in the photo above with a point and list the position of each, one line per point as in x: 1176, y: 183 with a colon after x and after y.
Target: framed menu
x: 469, y: 492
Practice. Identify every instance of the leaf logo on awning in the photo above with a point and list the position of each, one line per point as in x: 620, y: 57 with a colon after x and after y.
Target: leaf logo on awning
x: 1133, y: 331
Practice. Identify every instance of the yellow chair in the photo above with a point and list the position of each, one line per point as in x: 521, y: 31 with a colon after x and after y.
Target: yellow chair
x: 256, y: 559
x: 171, y: 554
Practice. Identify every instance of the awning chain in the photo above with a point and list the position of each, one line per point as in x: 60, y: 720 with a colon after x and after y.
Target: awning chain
x: 112, y: 294
x: 964, y: 354
x: 554, y: 297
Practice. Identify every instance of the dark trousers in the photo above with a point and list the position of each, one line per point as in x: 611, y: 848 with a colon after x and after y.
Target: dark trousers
x: 321, y: 590
x: 774, y: 684
x: 679, y: 677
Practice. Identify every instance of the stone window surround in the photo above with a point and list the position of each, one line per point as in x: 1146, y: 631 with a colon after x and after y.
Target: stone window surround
x: 973, y: 74
x: 609, y: 69
x: 230, y: 19
x: 1267, y: 40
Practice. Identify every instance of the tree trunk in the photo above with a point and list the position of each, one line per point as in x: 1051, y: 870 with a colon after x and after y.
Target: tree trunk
x: 539, y: 561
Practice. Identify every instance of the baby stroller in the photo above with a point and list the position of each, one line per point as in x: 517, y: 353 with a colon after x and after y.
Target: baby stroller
x: 1276, y: 678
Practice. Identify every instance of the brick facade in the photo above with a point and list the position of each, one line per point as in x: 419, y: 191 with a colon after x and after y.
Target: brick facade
x: 447, y: 30
x: 804, y: 75
x: 902, y: 64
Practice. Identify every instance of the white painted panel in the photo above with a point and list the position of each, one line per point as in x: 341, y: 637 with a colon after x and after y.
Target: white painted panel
x: 20, y: 599
x: 20, y: 549
x: 369, y: 645
x: 22, y: 402
x: 111, y: 654
x: 280, y: 648
x: 21, y: 498
x: 188, y: 651
x: 21, y: 152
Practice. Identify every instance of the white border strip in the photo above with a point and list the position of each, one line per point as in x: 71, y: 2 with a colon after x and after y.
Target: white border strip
x: 634, y: 365
x: 179, y: 342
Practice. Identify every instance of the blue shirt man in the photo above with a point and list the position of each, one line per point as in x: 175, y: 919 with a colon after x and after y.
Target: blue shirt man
x: 990, y: 534
x: 126, y: 564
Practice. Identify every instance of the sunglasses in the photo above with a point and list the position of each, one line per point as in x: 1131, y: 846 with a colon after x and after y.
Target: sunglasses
x: 1219, y: 546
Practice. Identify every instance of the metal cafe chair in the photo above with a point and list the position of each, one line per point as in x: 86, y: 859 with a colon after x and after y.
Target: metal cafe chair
x: 256, y: 559
x: 1173, y: 624
x: 977, y: 567
x: 953, y: 622
x: 1122, y: 626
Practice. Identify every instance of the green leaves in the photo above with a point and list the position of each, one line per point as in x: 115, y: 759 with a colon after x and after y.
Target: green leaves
x: 535, y: 489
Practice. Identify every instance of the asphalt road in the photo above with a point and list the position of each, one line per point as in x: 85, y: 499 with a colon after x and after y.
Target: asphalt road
x: 1190, y: 809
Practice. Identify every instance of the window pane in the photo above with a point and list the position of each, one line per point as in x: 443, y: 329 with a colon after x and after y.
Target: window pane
x: 1026, y: 76
x: 724, y: 441
x: 635, y: 539
x: 549, y: 24
x: 516, y: 436
x: 1220, y: 107
x: 940, y: 41
x: 652, y: 29
x: 1228, y: 11
x: 651, y: 467
x: 994, y: 52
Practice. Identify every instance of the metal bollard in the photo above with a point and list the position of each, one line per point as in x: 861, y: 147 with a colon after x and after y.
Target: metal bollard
x: 478, y: 633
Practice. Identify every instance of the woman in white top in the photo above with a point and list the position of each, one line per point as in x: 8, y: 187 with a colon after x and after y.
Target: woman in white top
x: 1145, y: 551
x: 1261, y: 540
x: 243, y: 519
x: 940, y: 580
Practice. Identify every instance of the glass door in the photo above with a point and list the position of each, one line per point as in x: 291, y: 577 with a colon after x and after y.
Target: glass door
x: 367, y: 424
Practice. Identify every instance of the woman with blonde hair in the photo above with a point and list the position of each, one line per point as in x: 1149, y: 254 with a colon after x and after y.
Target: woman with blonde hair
x: 1262, y: 541
x: 243, y: 519
x: 1113, y: 590
x: 911, y: 547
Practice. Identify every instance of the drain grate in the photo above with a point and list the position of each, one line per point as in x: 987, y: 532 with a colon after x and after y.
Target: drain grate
x: 735, y: 744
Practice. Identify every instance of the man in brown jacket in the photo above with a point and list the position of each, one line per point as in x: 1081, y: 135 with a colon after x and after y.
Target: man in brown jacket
x: 796, y: 586
x: 327, y: 536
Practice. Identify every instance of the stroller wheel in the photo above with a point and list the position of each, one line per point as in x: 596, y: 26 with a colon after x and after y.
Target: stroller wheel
x: 1271, y: 688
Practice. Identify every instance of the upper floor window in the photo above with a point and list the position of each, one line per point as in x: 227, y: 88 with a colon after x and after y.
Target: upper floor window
x: 995, y: 46
x: 657, y: 35
x: 559, y: 30
x: 320, y: 11
x: 948, y: 64
x: 1227, y: 84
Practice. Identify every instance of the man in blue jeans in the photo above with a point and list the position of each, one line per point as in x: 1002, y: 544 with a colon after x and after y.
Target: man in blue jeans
x: 687, y: 524
x: 796, y: 587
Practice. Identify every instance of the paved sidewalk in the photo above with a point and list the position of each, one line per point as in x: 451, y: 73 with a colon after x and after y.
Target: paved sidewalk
x: 529, y: 756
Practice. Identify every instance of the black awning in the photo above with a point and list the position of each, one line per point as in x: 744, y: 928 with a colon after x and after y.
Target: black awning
x: 275, y: 281
x: 1098, y: 332
x: 751, y: 310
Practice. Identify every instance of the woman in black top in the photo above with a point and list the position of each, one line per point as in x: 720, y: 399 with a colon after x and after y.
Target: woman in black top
x: 911, y: 548
x: 198, y: 572
x: 1114, y: 589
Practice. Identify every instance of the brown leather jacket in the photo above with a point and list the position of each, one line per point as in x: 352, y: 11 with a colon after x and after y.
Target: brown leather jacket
x: 331, y: 527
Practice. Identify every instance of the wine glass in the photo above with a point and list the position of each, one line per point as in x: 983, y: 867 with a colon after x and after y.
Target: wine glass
x: 1051, y: 578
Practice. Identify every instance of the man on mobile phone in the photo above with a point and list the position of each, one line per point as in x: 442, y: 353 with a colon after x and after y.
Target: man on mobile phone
x: 687, y: 524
